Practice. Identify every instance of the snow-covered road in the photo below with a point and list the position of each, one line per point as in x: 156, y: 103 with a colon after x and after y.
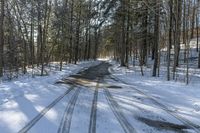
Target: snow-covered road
x: 92, y: 101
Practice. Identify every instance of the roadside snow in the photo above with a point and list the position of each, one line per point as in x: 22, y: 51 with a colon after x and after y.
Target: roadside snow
x: 176, y: 96
x: 22, y: 99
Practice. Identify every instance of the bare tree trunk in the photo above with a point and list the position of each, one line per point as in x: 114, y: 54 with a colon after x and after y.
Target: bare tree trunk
x: 157, y: 34
x: 170, y: 40
x: 61, y: 46
x: 198, y: 4
x: 145, y: 37
x: 189, y: 37
x: 86, y: 43
x: 71, y: 32
x: 184, y: 31
x: 187, y: 62
x: 1, y: 37
x: 89, y: 31
x: 178, y: 12
x: 123, y: 35
x: 89, y: 42
x: 127, y: 34
x: 40, y: 39
x: 32, y: 48
x: 96, y: 36
x: 193, y: 20
x: 197, y: 28
x: 78, y: 33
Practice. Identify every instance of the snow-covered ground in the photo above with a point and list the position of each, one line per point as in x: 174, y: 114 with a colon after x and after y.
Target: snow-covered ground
x: 177, y: 97
x: 126, y: 103
x: 23, y: 98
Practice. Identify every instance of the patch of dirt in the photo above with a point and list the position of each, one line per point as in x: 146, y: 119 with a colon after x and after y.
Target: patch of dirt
x: 88, y: 76
x: 161, y: 125
x: 114, y: 87
x: 66, y: 81
x: 93, y: 73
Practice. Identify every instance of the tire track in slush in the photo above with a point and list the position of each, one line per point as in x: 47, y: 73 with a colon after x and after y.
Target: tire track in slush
x: 67, y: 117
x: 28, y: 126
x: 93, y: 114
x: 127, y: 127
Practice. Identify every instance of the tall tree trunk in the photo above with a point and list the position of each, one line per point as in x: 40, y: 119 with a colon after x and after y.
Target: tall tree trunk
x: 198, y: 4
x: 193, y: 20
x: 145, y: 37
x: 71, y: 32
x: 188, y: 38
x: 78, y: 33
x: 86, y: 43
x: 170, y: 40
x: 178, y: 12
x: 127, y: 33
x: 123, y: 34
x: 197, y: 28
x: 157, y: 34
x: 32, y: 48
x: 184, y: 31
x: 1, y: 37
x: 89, y: 30
x: 40, y: 47
x: 96, y: 36
x: 89, y: 42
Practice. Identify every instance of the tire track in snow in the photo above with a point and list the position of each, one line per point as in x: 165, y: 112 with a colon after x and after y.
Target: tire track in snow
x: 27, y: 127
x: 127, y: 127
x: 173, y: 113
x: 93, y: 114
x: 67, y: 117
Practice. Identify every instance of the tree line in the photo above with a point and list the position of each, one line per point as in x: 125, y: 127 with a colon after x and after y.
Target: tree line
x: 143, y: 29
x: 34, y: 33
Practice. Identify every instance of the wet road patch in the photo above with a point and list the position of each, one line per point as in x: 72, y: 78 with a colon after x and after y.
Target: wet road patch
x: 114, y: 87
x: 161, y: 125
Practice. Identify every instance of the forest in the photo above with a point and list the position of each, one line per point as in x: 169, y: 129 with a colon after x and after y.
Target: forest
x: 34, y: 33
